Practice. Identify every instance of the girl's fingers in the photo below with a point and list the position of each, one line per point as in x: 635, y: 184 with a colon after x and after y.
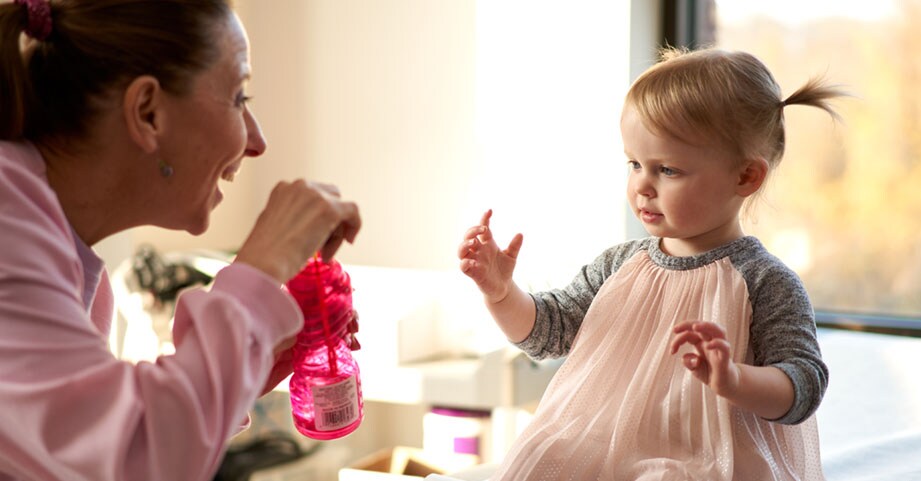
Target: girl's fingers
x: 514, y: 246
x: 719, y: 359
x: 720, y: 349
x: 467, y: 266
x: 686, y: 337
x: 485, y: 219
x: 683, y: 326
x: 465, y: 248
x: 474, y: 232
x: 712, y: 357
x: 485, y: 234
x: 710, y: 330
x: 690, y: 361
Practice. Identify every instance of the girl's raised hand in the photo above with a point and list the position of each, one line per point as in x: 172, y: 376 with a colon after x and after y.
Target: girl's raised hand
x: 712, y: 363
x: 483, y: 261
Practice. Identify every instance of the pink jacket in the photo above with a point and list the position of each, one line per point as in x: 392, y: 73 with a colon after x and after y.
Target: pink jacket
x: 69, y: 410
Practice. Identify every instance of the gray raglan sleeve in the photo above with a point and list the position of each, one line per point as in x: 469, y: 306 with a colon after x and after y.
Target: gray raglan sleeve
x: 783, y: 335
x: 560, y: 311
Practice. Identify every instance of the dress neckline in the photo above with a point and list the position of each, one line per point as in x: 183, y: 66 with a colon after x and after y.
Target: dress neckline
x: 667, y: 261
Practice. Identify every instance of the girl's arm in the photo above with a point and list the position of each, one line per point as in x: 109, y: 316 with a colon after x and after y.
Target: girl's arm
x: 782, y: 337
x: 491, y: 268
x: 764, y: 390
x: 514, y: 314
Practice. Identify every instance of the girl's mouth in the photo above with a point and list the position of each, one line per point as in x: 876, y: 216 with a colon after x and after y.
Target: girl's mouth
x: 649, y: 217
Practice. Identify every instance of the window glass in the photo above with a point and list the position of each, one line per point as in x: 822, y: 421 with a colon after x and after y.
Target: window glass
x: 844, y: 207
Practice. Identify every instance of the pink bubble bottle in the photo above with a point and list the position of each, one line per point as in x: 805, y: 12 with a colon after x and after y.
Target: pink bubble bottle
x: 325, y: 389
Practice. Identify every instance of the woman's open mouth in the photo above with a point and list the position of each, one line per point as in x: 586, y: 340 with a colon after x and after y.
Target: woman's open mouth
x: 230, y: 172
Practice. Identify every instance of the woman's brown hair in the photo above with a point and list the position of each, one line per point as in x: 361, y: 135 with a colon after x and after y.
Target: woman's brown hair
x: 49, y: 87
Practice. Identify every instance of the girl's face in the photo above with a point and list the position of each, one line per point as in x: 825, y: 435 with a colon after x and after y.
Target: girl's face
x: 212, y: 131
x: 690, y: 196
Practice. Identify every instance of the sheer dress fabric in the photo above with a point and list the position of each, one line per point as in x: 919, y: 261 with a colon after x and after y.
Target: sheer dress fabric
x: 622, y: 408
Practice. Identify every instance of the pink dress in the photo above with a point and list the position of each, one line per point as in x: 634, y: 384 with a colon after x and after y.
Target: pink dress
x: 71, y: 411
x: 622, y: 408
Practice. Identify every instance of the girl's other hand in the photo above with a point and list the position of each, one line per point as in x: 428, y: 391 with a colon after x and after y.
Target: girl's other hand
x: 299, y: 219
x: 712, y: 362
x: 483, y: 261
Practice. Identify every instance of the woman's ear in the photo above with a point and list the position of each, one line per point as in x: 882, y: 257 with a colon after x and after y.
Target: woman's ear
x: 143, y: 110
x: 752, y: 176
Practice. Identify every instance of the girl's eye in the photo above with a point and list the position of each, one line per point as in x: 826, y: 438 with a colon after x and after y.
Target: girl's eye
x: 633, y: 164
x: 667, y: 171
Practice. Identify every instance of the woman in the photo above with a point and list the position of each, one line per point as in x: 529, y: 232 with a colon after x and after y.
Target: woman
x: 116, y: 114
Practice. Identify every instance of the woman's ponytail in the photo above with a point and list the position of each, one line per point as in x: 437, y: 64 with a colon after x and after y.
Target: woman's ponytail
x: 15, y: 88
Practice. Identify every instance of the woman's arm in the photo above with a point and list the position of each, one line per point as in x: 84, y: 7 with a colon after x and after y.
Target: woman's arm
x: 69, y: 409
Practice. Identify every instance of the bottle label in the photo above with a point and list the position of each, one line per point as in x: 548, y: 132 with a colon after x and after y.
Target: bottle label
x: 335, y: 405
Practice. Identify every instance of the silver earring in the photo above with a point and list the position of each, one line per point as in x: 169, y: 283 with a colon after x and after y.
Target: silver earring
x: 166, y: 170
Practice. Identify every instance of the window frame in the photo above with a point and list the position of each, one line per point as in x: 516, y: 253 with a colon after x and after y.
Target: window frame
x: 692, y: 24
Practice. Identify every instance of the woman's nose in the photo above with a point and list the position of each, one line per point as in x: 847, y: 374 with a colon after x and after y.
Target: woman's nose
x: 255, y: 142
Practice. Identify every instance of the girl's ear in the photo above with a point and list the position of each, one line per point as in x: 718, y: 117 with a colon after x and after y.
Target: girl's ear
x: 752, y: 176
x: 143, y: 110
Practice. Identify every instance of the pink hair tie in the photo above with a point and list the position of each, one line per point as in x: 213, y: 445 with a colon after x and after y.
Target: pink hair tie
x: 39, y: 18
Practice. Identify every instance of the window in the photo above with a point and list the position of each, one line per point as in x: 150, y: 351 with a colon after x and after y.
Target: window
x: 844, y: 207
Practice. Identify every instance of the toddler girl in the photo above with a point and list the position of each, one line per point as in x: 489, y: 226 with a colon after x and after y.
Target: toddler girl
x: 692, y: 353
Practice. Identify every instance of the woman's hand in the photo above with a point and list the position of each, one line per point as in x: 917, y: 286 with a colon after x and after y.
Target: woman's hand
x: 283, y: 366
x: 712, y: 363
x: 482, y: 261
x: 284, y: 355
x: 299, y: 219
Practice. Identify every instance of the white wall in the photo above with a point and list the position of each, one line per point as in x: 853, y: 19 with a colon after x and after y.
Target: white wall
x: 550, y: 79
x: 428, y: 112
x: 378, y: 98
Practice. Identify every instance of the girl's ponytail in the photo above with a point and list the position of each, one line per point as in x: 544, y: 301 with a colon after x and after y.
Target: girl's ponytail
x: 816, y: 93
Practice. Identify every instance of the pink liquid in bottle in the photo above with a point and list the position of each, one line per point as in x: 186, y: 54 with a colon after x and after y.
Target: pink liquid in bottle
x: 326, y: 400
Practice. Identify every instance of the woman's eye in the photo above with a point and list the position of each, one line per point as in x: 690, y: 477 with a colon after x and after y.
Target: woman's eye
x: 242, y: 99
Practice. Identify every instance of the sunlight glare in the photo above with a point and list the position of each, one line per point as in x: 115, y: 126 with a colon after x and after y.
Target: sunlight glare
x: 797, y: 12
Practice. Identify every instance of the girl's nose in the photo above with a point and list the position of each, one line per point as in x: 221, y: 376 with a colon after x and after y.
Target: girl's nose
x: 642, y: 184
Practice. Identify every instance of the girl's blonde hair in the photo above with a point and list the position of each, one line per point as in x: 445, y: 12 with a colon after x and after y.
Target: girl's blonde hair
x: 731, y: 97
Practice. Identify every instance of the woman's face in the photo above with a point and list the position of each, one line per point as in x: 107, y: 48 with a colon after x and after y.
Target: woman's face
x: 210, y: 130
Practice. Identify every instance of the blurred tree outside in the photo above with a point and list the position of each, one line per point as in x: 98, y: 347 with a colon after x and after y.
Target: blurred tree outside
x: 844, y: 207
